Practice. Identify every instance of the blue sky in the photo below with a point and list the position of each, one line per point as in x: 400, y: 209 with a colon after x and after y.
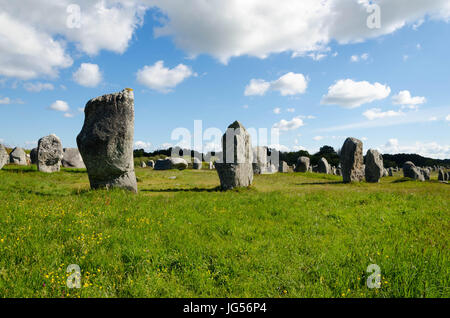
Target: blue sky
x: 389, y: 88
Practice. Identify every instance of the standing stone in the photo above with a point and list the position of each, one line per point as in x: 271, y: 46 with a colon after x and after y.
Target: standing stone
x: 72, y: 158
x: 426, y: 172
x: 4, y: 158
x: 171, y: 163
x: 441, y: 175
x: 283, y: 167
x: 106, y: 141
x: 260, y: 162
x: 303, y: 164
x: 33, y: 156
x: 143, y: 165
x: 374, y: 166
x: 211, y: 165
x: 339, y: 172
x: 352, y: 160
x: 151, y: 163
x: 391, y: 172
x: 18, y: 157
x: 411, y: 171
x: 50, y: 154
x: 323, y: 166
x: 235, y: 167
x: 197, y: 164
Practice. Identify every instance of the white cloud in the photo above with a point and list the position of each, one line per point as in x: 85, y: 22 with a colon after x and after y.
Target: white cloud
x: 88, y: 75
x: 447, y: 118
x: 430, y: 149
x: 60, y: 106
x: 68, y: 115
x: 162, y: 79
x: 290, y: 110
x: 357, y: 58
x: 376, y: 113
x: 143, y: 145
x: 350, y: 94
x: 227, y: 29
x: 277, y: 110
x: 37, y: 87
x: 278, y: 147
x: 404, y: 98
x: 289, y: 84
x: 285, y: 125
x: 257, y: 87
x: 318, y: 138
x: 5, y: 101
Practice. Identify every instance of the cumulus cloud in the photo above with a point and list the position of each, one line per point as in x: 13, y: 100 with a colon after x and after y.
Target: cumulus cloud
x: 285, y: 125
x: 162, y: 79
x: 289, y: 84
x: 60, y: 106
x: 318, y: 138
x: 350, y: 94
x: 357, y: 58
x: 376, y: 113
x: 277, y: 111
x: 88, y: 75
x: 143, y: 145
x: 231, y: 28
x: 404, y: 98
x: 431, y: 149
x: 37, y: 87
x: 34, y: 45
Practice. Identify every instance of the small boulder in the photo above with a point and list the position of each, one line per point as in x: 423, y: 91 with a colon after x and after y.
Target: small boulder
x: 72, y: 158
x: 324, y: 166
x: 303, y: 165
x: 151, y: 163
x: 18, y: 157
x: 411, y: 171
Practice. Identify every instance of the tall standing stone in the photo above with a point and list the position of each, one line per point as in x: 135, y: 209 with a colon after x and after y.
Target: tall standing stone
x: 18, y: 157
x: 49, y: 154
x: 352, y: 160
x: 411, y: 171
x: 374, y: 166
x: 72, y: 158
x: 235, y: 167
x: 197, y: 164
x: 283, y: 167
x: 303, y: 164
x: 260, y: 162
x: 106, y: 141
x: 4, y: 158
x: 324, y: 166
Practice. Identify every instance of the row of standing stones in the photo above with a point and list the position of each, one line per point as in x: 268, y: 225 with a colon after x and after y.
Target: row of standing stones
x: 105, y: 149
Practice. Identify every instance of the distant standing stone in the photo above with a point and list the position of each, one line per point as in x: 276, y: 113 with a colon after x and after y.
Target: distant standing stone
x: 197, y: 164
x: 211, y: 165
x: 143, y: 165
x: 171, y: 163
x: 50, y: 154
x: 151, y: 163
x: 260, y: 161
x: 33, y: 155
x: 411, y: 171
x: 441, y: 175
x: 235, y: 168
x: 323, y: 166
x: 303, y: 164
x: 106, y: 141
x: 374, y: 166
x: 18, y: 157
x: 72, y: 158
x: 283, y: 167
x: 352, y: 160
x: 4, y: 158
x: 391, y: 172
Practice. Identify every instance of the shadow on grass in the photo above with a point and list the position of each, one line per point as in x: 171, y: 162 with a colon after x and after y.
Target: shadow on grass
x: 74, y: 170
x: 215, y: 189
x: 319, y: 183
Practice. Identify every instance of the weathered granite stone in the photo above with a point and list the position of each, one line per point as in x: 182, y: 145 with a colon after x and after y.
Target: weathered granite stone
x: 303, y: 165
x: 106, y: 141
x: 235, y: 168
x: 33, y: 156
x: 352, y: 160
x: 18, y: 157
x: 72, y: 158
x: 374, y: 166
x: 411, y: 171
x: 283, y: 168
x: 151, y: 163
x: 4, y: 157
x: 171, y: 163
x: 143, y: 164
x: 50, y: 154
x: 324, y: 166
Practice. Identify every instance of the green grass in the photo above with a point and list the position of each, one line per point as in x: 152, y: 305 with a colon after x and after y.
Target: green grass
x: 289, y: 235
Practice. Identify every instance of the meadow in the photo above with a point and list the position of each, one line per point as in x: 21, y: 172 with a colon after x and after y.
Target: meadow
x: 289, y: 235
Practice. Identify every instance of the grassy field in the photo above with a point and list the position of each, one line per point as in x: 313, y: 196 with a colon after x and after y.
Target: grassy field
x: 290, y: 235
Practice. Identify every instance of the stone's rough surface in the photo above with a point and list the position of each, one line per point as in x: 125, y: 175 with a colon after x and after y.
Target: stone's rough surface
x: 411, y: 171
x: 18, y: 157
x: 171, y: 163
x: 303, y: 165
x: 374, y: 166
x: 106, y: 141
x: 323, y: 166
x: 72, y: 158
x: 235, y: 168
x: 260, y: 162
x: 352, y: 160
x: 50, y: 154
x: 33, y: 155
x: 283, y: 167
x: 151, y: 163
x: 4, y: 158
x: 197, y: 164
